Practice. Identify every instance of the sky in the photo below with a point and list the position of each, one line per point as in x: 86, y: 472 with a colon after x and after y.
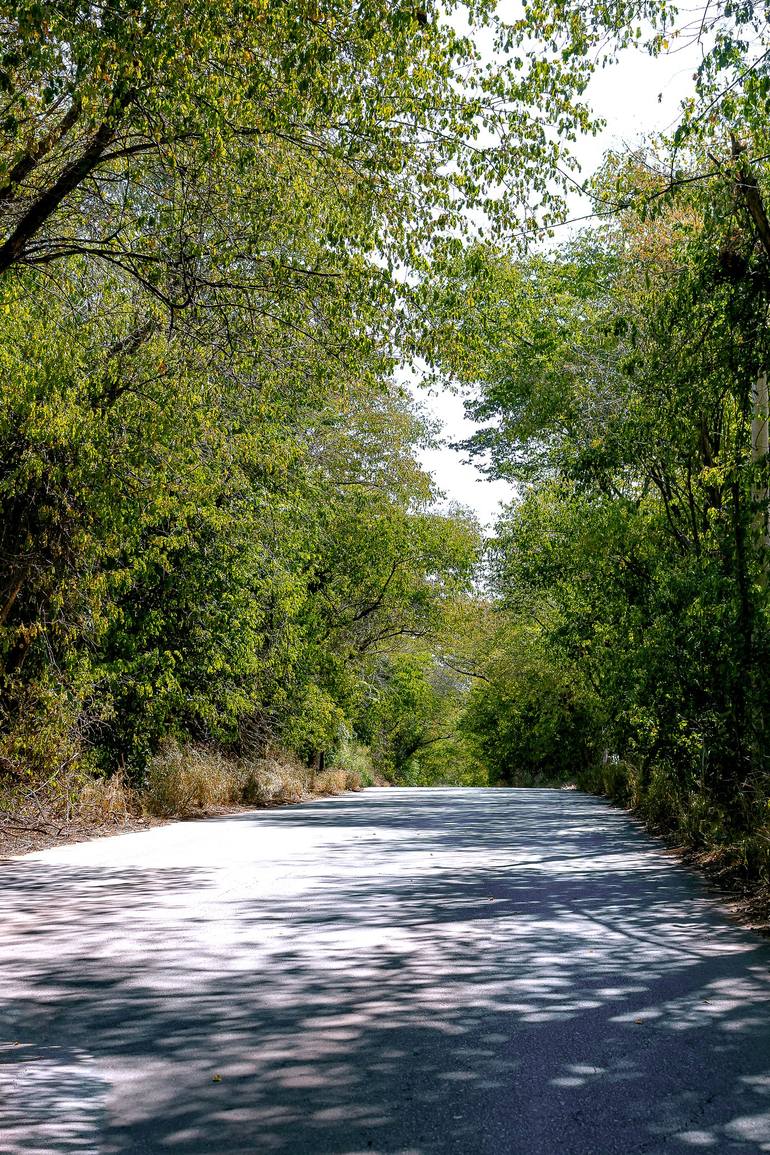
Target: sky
x: 626, y: 95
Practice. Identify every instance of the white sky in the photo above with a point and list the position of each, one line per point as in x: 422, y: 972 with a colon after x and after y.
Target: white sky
x: 626, y: 97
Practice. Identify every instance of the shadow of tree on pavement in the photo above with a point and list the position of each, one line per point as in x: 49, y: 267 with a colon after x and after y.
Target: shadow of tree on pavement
x: 408, y: 971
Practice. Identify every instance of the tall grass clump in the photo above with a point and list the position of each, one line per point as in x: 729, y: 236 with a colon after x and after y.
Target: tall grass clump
x: 183, y: 780
x: 105, y: 801
x: 336, y: 781
x: 278, y: 778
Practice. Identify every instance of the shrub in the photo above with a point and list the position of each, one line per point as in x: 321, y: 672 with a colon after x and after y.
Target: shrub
x: 185, y: 779
x: 331, y: 782
x: 275, y: 778
x: 356, y: 760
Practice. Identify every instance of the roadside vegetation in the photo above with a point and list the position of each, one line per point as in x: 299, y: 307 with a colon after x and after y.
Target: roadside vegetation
x: 225, y: 578
x: 620, y: 380
x: 218, y: 549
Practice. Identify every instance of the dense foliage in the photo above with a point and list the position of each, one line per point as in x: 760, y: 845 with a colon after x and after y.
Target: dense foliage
x: 222, y: 230
x: 183, y: 556
x: 213, y: 523
x: 627, y: 396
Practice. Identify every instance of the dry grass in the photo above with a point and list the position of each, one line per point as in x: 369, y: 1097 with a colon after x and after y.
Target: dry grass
x: 184, y: 780
x: 353, y: 780
x: 275, y: 779
x: 337, y: 780
x: 330, y: 782
x: 105, y: 802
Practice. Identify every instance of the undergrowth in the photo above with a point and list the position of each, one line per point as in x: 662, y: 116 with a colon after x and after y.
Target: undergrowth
x: 735, y: 854
x: 181, y: 780
x: 185, y: 779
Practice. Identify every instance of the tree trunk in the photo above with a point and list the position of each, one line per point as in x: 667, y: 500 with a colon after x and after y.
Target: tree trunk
x: 760, y: 446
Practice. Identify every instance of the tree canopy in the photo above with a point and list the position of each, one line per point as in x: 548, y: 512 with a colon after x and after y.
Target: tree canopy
x: 224, y: 233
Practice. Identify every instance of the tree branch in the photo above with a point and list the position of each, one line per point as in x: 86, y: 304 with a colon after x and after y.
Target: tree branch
x: 74, y: 174
x: 25, y: 164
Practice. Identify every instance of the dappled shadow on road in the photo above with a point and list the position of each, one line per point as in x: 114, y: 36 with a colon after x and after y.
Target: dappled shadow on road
x: 453, y: 972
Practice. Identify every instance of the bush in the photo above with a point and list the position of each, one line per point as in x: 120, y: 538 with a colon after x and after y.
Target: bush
x: 182, y: 781
x: 330, y: 782
x: 613, y: 778
x: 185, y: 779
x: 356, y: 760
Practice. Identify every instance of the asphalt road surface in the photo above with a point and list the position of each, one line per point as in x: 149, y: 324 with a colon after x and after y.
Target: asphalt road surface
x: 401, y: 971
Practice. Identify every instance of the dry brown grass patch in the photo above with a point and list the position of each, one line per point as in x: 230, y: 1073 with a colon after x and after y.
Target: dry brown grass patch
x: 274, y: 779
x: 105, y: 802
x: 337, y: 781
x: 184, y: 779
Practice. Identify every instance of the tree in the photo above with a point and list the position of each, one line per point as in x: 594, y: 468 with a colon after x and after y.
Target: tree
x: 620, y: 394
x: 161, y: 138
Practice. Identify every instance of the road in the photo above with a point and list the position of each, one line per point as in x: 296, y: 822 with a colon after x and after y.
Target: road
x: 402, y: 971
